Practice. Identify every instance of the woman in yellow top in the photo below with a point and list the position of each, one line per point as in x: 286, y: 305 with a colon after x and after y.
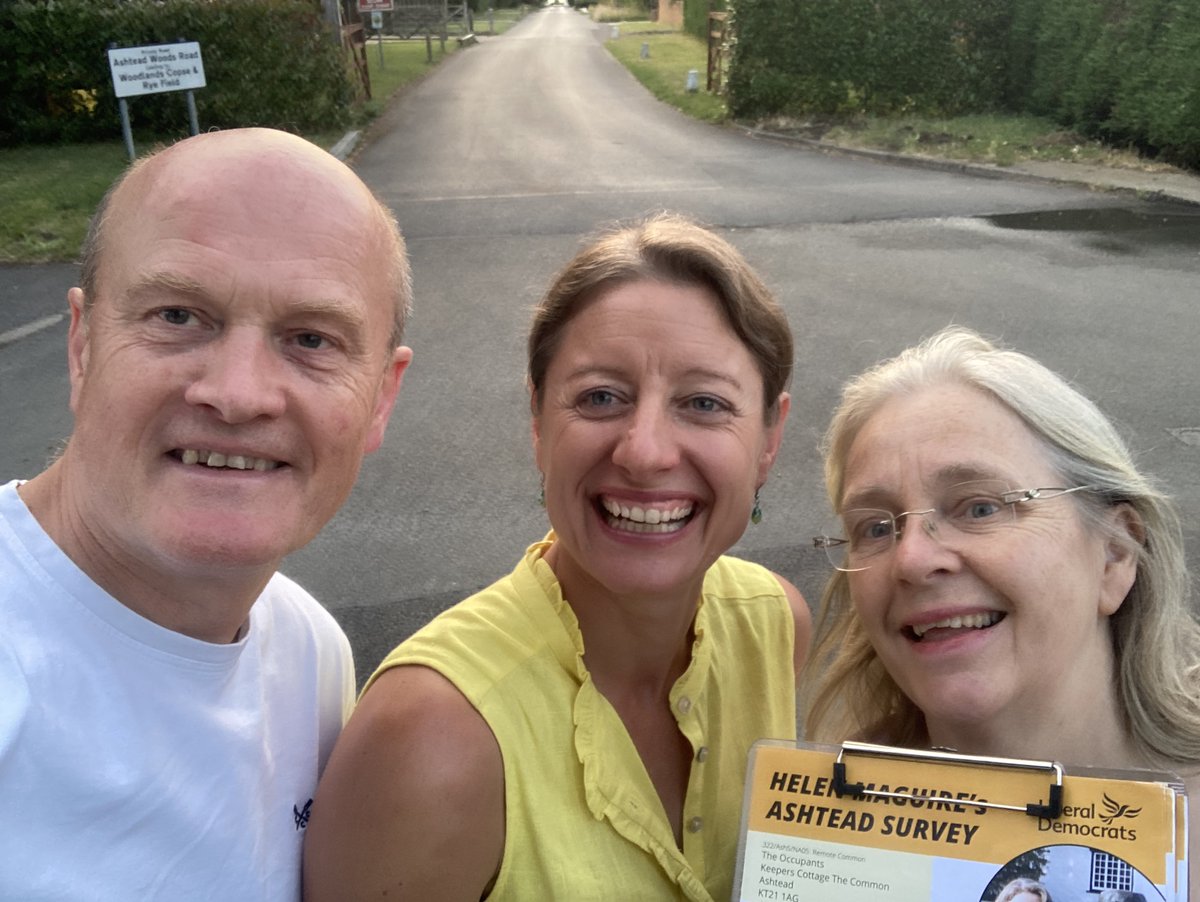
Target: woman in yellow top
x: 1007, y: 583
x: 579, y: 730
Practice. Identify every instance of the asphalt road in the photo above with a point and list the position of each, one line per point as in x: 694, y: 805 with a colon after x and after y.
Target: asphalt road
x: 511, y: 152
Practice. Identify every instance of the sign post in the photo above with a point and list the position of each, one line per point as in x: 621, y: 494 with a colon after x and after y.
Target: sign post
x: 155, y: 69
x: 377, y: 8
x: 377, y: 24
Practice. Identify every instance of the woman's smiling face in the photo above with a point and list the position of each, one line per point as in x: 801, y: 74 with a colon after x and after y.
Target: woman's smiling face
x: 652, y: 438
x: 1012, y: 623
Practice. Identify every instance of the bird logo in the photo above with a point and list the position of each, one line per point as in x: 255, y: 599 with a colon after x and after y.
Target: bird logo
x: 1114, y: 810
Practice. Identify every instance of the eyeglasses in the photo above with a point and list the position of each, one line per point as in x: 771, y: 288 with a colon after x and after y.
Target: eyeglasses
x: 968, y: 509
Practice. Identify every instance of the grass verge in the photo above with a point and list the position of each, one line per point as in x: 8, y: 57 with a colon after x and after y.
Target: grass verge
x: 996, y: 139
x: 1001, y: 140
x: 402, y: 63
x: 634, y: 13
x: 664, y: 71
x: 499, y: 20
x: 48, y: 194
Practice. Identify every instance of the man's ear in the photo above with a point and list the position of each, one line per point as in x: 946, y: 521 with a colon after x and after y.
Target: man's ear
x: 385, y: 401
x: 1124, y: 540
x: 78, y: 348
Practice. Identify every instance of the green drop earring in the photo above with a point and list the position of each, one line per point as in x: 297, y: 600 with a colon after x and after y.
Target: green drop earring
x: 756, y: 511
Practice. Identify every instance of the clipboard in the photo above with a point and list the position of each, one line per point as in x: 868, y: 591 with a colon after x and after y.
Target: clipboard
x: 868, y: 823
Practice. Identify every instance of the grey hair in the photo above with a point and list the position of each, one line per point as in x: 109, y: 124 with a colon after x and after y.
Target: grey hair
x: 1155, y: 634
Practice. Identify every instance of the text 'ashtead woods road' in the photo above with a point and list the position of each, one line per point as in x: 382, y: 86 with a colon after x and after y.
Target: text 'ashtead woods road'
x: 510, y: 152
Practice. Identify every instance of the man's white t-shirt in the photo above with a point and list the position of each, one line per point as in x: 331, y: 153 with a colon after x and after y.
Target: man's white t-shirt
x: 137, y: 763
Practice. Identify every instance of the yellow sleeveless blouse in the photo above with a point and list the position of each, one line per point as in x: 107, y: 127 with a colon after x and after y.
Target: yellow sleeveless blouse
x: 583, y: 820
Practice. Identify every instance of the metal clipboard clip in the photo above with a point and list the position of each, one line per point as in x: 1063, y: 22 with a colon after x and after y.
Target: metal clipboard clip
x: 843, y: 787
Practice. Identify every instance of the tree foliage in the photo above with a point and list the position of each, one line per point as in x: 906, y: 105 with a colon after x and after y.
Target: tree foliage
x: 266, y: 62
x: 1120, y: 70
x: 880, y: 56
x: 695, y: 16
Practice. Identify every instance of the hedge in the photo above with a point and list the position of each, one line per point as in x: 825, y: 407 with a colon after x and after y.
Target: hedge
x: 1121, y: 70
x: 883, y: 56
x: 266, y: 62
x: 695, y: 17
x: 1124, y: 71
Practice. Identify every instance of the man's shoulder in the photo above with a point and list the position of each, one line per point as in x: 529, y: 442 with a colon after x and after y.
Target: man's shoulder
x: 285, y: 605
x: 30, y: 563
x: 14, y: 517
x: 290, y: 628
x: 283, y: 587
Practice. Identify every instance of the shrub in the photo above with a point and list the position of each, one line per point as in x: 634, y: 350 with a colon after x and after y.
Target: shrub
x: 1120, y: 70
x: 695, y: 17
x: 1157, y: 101
x: 871, y: 56
x: 266, y: 62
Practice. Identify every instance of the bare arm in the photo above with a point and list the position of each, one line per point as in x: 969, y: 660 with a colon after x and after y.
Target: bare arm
x: 803, y: 617
x: 411, y: 804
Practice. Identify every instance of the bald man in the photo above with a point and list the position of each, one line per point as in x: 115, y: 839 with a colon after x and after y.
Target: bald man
x: 167, y: 699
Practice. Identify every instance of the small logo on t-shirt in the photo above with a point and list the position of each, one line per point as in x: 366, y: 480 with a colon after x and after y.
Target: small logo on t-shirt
x: 301, y: 815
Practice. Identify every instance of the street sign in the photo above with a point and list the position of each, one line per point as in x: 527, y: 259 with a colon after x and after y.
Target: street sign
x: 155, y: 69
x: 370, y: 6
x: 376, y: 20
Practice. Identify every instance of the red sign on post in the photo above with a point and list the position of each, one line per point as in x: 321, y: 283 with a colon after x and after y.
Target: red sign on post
x: 370, y: 6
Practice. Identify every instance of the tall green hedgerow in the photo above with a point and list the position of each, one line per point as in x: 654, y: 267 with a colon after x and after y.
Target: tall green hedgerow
x: 1165, y: 104
x: 1151, y: 96
x: 695, y: 16
x: 1124, y: 71
x: 873, y: 56
x: 266, y: 62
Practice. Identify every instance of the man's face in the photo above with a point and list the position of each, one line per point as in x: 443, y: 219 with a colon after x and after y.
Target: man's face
x: 235, y: 365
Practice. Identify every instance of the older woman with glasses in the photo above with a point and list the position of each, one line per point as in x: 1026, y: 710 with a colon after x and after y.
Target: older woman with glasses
x: 1006, y: 582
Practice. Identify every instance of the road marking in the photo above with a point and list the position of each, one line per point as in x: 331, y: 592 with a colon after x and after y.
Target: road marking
x: 1189, y: 435
x: 30, y: 328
